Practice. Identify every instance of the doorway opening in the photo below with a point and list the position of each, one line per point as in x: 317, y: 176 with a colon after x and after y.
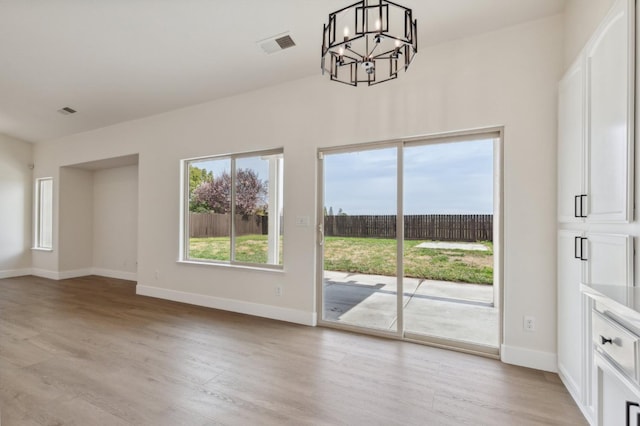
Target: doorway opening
x: 410, y: 239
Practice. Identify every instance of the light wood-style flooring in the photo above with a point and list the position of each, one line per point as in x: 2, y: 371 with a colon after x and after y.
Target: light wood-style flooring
x: 88, y: 351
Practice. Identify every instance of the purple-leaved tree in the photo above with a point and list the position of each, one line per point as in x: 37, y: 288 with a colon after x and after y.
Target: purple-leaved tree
x: 251, y: 193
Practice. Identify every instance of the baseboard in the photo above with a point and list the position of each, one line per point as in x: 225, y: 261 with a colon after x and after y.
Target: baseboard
x: 570, y: 384
x: 11, y: 273
x: 110, y: 273
x: 74, y: 273
x: 575, y: 393
x: 546, y: 361
x: 255, y: 309
x: 45, y: 273
x: 63, y: 275
x: 60, y: 275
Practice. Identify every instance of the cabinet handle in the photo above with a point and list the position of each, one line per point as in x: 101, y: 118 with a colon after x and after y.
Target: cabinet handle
x: 576, y: 241
x: 604, y: 341
x: 628, y: 413
x: 575, y: 206
x: 582, y: 240
x: 581, y: 204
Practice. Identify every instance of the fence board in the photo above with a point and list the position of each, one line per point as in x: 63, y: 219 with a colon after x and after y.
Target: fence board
x: 416, y: 227
x: 205, y: 225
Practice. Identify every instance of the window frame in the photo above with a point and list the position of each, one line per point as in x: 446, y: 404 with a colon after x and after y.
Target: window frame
x: 38, y: 240
x: 184, y: 217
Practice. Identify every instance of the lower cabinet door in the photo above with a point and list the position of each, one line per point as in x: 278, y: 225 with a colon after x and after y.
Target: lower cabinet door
x: 570, y: 315
x: 619, y: 401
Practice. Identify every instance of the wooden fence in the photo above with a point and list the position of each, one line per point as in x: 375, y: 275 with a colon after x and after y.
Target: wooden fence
x: 202, y: 225
x: 416, y: 227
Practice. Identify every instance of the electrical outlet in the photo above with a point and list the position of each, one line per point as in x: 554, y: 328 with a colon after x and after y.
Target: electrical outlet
x: 278, y: 291
x: 529, y: 323
x: 157, y: 275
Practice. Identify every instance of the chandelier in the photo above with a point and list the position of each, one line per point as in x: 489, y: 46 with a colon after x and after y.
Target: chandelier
x: 369, y: 42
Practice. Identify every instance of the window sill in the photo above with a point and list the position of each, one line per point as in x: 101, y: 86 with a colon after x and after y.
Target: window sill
x: 41, y: 249
x: 276, y: 269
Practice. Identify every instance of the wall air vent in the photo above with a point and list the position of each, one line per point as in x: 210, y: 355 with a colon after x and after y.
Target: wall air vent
x: 67, y: 111
x: 276, y: 43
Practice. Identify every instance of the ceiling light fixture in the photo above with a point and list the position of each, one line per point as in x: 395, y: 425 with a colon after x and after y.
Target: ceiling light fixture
x: 376, y: 39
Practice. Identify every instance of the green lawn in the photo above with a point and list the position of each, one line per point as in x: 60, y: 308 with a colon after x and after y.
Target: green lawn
x: 249, y: 248
x: 378, y: 257
x: 367, y: 256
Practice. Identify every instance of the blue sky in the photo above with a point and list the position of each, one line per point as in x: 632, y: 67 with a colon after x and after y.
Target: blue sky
x: 451, y: 178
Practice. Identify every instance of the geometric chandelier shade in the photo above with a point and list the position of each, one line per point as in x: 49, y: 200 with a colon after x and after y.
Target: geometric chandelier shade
x: 370, y: 42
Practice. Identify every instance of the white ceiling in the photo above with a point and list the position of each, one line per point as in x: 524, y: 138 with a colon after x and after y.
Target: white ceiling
x: 118, y: 60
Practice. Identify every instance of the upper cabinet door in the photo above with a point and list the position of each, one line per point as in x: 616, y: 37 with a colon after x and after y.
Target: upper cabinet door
x: 571, y: 127
x: 609, y: 260
x: 609, y: 138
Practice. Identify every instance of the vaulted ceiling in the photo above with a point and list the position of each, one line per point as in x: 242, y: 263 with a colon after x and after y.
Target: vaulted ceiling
x: 118, y: 60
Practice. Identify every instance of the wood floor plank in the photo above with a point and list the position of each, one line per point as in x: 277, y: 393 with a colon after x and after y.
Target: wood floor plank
x: 90, y: 351
x: 10, y: 415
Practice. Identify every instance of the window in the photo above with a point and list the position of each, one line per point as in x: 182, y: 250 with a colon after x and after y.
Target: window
x: 44, y: 214
x: 233, y: 209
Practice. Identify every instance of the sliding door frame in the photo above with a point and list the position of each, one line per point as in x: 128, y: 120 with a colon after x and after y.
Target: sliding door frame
x: 495, y: 133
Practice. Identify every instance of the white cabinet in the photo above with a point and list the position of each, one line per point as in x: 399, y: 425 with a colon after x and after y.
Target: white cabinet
x: 571, y: 129
x: 607, y: 259
x: 595, y: 193
x: 590, y: 258
x: 595, y: 125
x: 619, y: 402
x: 570, y: 327
x: 616, y: 360
x: 609, y: 137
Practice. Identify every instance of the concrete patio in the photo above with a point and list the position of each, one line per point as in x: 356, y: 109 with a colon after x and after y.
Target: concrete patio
x: 457, y: 311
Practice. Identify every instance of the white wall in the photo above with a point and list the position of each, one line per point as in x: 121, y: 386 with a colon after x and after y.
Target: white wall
x: 581, y: 18
x: 75, y: 222
x: 115, y: 221
x: 505, y: 78
x: 16, y: 199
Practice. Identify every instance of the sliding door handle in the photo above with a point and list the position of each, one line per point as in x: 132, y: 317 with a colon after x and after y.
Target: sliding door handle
x: 321, y: 234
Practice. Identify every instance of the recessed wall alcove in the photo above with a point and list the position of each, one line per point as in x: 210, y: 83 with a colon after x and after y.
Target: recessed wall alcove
x: 98, y: 218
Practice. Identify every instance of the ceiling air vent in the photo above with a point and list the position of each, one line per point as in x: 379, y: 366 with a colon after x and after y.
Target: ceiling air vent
x: 67, y: 111
x: 276, y: 43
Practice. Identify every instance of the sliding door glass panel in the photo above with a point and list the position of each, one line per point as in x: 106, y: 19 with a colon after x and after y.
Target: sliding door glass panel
x: 360, y: 246
x: 448, y: 248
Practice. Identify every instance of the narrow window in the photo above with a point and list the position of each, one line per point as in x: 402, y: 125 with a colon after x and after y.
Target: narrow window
x: 44, y: 214
x: 235, y: 209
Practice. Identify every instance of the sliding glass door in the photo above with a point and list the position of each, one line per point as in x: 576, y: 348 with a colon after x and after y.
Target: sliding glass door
x: 359, y: 220
x: 448, y: 243
x: 407, y: 236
